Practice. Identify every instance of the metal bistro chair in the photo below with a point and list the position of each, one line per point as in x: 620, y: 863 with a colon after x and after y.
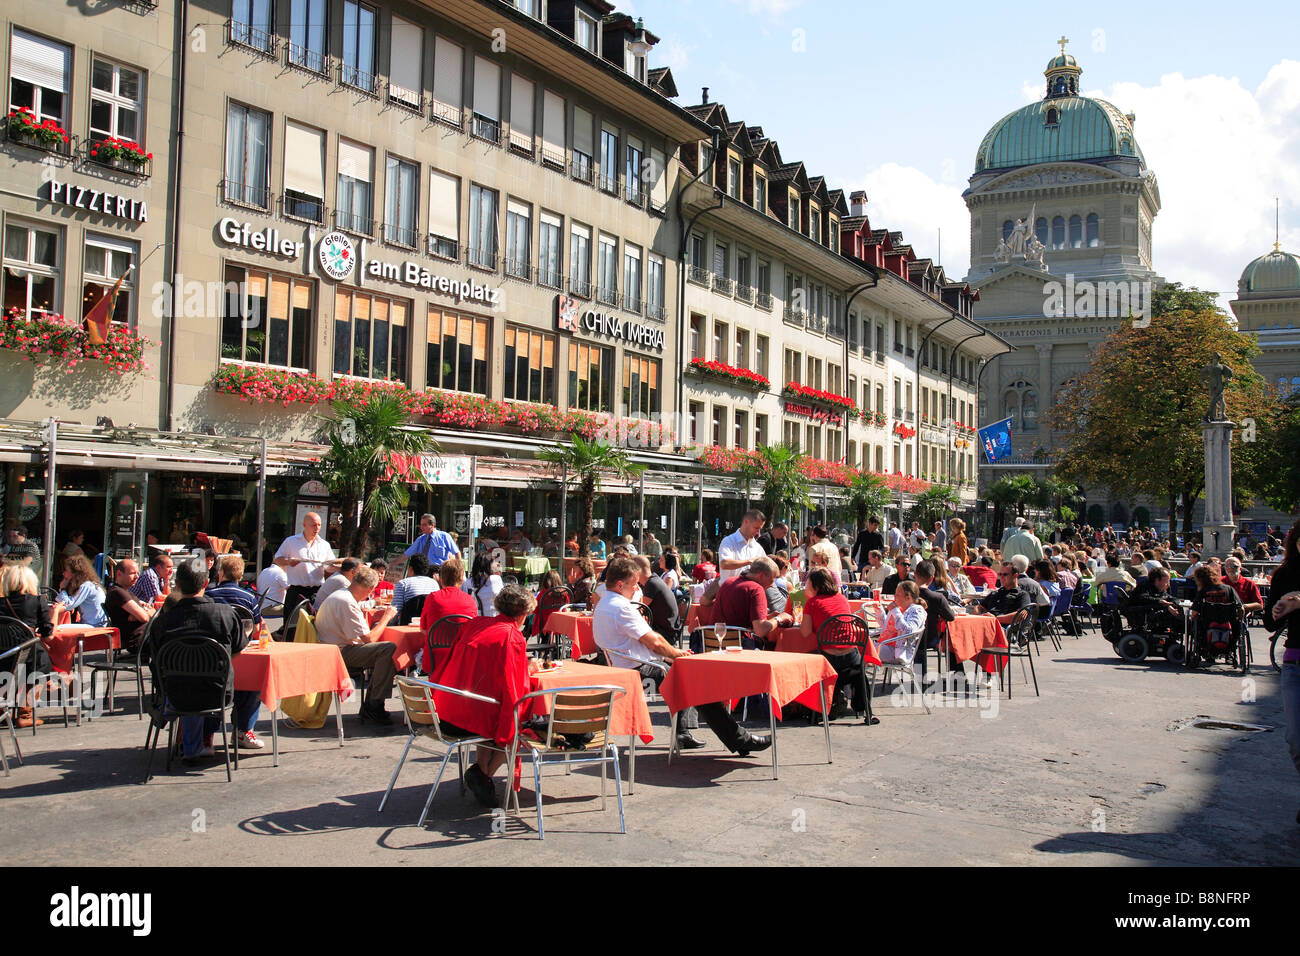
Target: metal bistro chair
x: 644, y: 609
x: 422, y: 722
x: 443, y: 635
x: 552, y: 599
x: 1019, y: 636
x: 573, y: 710
x: 900, y: 644
x: 1061, y: 609
x: 730, y: 637
x: 16, y: 642
x: 195, y: 678
x: 842, y: 631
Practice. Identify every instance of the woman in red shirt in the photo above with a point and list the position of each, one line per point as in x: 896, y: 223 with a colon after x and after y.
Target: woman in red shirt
x: 705, y: 570
x: 827, y: 601
x: 449, y: 599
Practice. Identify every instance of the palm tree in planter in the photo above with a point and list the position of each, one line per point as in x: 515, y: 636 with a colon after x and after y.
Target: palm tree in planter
x: 586, y: 463
x: 1014, y: 490
x: 364, y: 436
x: 867, y: 495
x: 787, y: 488
x: 934, y: 504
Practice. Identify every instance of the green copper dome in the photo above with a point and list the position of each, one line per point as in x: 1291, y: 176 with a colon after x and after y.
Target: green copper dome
x: 1059, y: 129
x: 1060, y: 60
x: 1277, y: 271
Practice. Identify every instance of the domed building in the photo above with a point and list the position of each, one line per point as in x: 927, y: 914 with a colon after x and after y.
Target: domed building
x: 1062, y: 205
x: 1268, y: 305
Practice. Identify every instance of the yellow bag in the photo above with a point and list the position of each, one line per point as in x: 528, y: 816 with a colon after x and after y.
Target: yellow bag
x: 308, y: 711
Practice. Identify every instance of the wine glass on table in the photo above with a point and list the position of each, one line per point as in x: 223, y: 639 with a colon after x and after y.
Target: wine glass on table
x: 720, y: 631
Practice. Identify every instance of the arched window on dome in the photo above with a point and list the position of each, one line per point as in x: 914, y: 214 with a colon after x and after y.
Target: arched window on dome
x: 1058, y: 233
x: 1053, y: 117
x: 1006, y: 229
x: 1040, y: 229
x: 1092, y: 233
x: 1076, y: 232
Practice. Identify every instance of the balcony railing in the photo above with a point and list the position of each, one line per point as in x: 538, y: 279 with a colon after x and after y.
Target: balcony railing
x: 898, y: 347
x: 354, y: 223
x: 519, y: 268
x: 249, y: 37
x: 632, y: 303
x: 655, y: 312
x: 304, y: 208
x: 609, y: 184
x: 521, y: 144
x: 581, y: 168
x: 401, y: 236
x: 488, y: 130
x: 403, y: 98
x: 911, y: 352
x: 245, y: 194
x: 607, y: 296
x: 552, y: 157
x: 358, y: 79
x: 698, y: 274
x: 551, y: 278
x: 764, y: 301
x: 657, y: 209
x: 795, y: 315
x: 723, y: 284
x: 633, y: 193
x: 443, y: 248
x: 580, y: 287
x: 898, y: 411
x: 482, y: 259
x: 745, y: 293
x: 299, y: 57
x: 447, y: 114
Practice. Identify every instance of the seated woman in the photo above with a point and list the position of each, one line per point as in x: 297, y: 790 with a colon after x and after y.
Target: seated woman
x: 551, y: 579
x: 484, y: 583
x: 820, y: 559
x: 705, y: 569
x: 1212, y: 595
x: 81, y: 592
x: 582, y: 580
x: 450, y: 598
x: 823, y: 601
x: 20, y: 598
x: 490, y: 659
x: 907, y: 617
x: 1045, y: 575
x: 958, y: 582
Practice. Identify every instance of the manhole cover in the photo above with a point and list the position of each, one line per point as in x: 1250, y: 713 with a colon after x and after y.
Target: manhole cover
x: 1204, y: 722
x: 1147, y: 788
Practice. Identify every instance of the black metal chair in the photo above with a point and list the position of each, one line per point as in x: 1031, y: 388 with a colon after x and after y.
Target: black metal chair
x: 195, y: 678
x: 1020, y: 634
x: 16, y: 643
x: 645, y: 611
x: 839, y: 634
x: 443, y: 635
x: 411, y: 609
x: 549, y: 646
x: 110, y: 666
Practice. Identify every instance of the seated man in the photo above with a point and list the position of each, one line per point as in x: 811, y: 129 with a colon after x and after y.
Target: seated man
x: 876, y: 572
x: 125, y: 613
x: 340, y: 621
x: 629, y: 641
x: 901, y: 571
x: 665, y: 616
x: 196, y: 615
x: 981, y: 573
x: 339, y: 579
x: 230, y: 571
x: 742, y: 600
x: 1151, y: 602
x: 1008, y: 600
x: 1026, y: 583
x: 1251, y: 600
x: 491, y: 660
x: 417, y: 583
x: 155, y: 580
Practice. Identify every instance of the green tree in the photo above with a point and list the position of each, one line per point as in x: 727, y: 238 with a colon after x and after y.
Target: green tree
x: 867, y: 495
x: 786, y: 486
x: 1277, y: 454
x: 1059, y: 494
x: 934, y: 504
x: 1012, y: 491
x: 1172, y: 297
x: 364, y: 436
x: 587, y: 464
x: 1132, y: 423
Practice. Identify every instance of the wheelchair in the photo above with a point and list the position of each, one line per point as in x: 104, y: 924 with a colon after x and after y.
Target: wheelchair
x: 1137, y: 631
x: 1220, y: 636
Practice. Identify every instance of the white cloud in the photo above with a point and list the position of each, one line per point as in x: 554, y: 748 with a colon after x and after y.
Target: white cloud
x: 1221, y: 152
x: 769, y: 8
x: 907, y: 200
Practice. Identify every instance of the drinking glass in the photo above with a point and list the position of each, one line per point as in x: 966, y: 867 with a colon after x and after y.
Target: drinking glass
x: 720, y: 630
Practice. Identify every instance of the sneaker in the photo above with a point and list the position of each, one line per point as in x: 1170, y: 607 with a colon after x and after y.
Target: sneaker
x: 250, y: 741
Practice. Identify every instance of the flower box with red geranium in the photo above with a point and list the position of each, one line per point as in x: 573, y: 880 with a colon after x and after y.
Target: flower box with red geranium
x: 49, y: 335
x: 817, y: 396
x: 22, y: 126
x: 120, y: 154
x: 738, y: 377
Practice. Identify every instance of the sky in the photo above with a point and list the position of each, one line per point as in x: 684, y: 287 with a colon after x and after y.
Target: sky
x: 895, y: 99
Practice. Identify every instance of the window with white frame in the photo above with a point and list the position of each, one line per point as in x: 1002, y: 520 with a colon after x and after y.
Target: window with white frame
x: 444, y: 215
x: 108, y: 259
x: 304, y: 172
x: 353, y: 199
x: 116, y: 95
x: 519, y: 231
x: 587, y: 32
x: 248, y: 146
x: 401, y: 201
x: 39, y: 73
x: 733, y: 177
x: 31, y: 269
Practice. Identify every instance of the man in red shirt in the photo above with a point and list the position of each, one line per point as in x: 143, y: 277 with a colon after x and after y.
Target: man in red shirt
x: 982, y: 573
x: 490, y: 659
x: 1246, y: 589
x: 742, y: 600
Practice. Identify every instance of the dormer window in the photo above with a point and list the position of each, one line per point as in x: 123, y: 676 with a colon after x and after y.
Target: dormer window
x: 733, y: 177
x: 587, y: 32
x: 815, y: 224
x: 531, y: 7
x: 1053, y: 117
x: 760, y: 193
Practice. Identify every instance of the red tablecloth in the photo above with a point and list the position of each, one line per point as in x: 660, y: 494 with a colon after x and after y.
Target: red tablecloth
x: 409, y: 639
x: 631, y: 716
x: 576, y: 627
x: 790, y: 640
x: 730, y: 675
x: 968, y: 634
x: 373, y: 614
x: 288, y: 670
x: 695, y: 618
x: 62, y: 645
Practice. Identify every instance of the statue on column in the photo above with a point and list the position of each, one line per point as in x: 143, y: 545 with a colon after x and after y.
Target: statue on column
x: 1217, y: 375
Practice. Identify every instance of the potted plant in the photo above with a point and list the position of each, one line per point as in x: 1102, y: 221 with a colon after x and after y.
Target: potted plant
x: 22, y: 126
x: 119, y: 153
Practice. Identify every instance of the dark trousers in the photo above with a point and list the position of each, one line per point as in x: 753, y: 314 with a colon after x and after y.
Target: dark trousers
x: 654, y: 675
x: 848, y: 671
x: 293, y: 596
x: 379, y: 658
x: 716, y: 715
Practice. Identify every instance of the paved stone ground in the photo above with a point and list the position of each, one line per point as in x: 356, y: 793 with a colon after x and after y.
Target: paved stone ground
x: 1088, y: 773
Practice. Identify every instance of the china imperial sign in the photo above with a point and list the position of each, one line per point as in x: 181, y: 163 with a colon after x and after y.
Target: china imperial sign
x: 569, y: 317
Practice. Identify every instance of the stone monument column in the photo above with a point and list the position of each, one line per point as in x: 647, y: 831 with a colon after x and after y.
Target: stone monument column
x: 1219, y: 525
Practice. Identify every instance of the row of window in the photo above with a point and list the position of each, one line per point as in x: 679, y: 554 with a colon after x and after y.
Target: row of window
x: 248, y: 150
x: 33, y: 263
x: 41, y: 80
x: 1082, y: 231
x: 268, y: 320
x: 453, y: 98
x: 810, y: 225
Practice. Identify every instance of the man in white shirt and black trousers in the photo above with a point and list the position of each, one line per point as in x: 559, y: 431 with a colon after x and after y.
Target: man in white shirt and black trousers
x: 619, y: 629
x: 306, y: 558
x: 741, y: 547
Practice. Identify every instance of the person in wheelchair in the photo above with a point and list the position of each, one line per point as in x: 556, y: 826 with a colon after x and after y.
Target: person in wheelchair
x: 1152, y: 606
x: 1218, y: 614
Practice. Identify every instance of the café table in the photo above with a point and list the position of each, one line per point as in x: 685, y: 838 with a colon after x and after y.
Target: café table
x: 409, y: 639
x: 731, y: 675
x: 374, y: 614
x: 576, y: 626
x: 68, y: 643
x: 530, y: 565
x: 631, y: 715
x: 288, y: 669
x: 968, y: 634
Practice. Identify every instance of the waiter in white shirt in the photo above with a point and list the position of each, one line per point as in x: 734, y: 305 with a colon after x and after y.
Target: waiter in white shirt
x: 741, y: 547
x: 307, y: 560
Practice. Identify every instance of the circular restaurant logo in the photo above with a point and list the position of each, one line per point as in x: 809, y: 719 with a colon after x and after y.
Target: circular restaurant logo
x: 336, y: 255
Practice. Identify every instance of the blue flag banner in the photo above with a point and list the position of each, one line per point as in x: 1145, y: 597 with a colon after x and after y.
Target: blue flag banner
x: 996, y: 440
